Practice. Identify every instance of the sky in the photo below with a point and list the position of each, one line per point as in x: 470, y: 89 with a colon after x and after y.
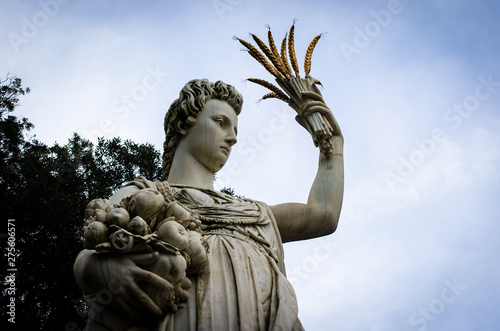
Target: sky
x: 414, y: 85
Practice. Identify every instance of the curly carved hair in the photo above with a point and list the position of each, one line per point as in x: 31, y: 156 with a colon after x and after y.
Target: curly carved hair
x: 183, y: 111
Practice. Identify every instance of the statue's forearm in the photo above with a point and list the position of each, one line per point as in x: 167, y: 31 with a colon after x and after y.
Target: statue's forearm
x: 319, y: 216
x: 327, y: 190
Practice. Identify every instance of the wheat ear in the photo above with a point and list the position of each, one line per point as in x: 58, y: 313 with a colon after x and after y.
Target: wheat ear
x: 268, y: 85
x: 256, y: 54
x: 284, y: 58
x: 275, y: 52
x: 309, y: 52
x: 277, y: 65
x: 291, y: 50
x: 272, y: 45
x: 275, y: 95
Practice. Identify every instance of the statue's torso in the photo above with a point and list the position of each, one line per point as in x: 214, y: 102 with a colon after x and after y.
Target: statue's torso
x: 244, y: 287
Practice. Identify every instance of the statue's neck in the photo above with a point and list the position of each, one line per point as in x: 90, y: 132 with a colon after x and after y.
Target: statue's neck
x: 185, y: 170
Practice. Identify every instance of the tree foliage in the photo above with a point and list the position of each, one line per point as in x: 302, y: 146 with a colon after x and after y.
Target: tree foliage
x: 230, y: 191
x: 10, y: 90
x: 46, y: 189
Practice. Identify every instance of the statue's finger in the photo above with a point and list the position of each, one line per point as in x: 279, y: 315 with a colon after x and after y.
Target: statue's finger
x: 300, y: 121
x: 144, y: 259
x: 153, y: 279
x: 304, y: 124
x: 313, y: 95
x: 317, y: 109
x: 309, y: 104
x: 326, y: 113
x: 142, y: 300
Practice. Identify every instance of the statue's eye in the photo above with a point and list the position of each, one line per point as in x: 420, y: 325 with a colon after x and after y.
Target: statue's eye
x: 219, y: 121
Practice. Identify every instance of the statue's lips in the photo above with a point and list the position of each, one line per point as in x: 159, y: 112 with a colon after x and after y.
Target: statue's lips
x: 225, y: 149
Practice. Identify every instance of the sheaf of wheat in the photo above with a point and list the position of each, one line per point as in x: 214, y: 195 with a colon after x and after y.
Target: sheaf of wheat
x: 280, y: 65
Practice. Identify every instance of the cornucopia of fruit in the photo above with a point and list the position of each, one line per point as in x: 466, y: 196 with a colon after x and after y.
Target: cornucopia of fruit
x: 143, y: 223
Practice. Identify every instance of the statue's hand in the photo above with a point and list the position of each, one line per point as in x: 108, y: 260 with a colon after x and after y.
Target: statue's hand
x: 121, y: 276
x: 312, y: 101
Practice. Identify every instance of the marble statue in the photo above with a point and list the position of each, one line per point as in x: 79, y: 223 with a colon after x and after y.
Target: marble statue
x: 178, y: 255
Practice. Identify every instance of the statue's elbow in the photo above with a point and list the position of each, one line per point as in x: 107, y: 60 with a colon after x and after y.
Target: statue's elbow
x: 331, y: 222
x: 327, y: 217
x: 331, y: 227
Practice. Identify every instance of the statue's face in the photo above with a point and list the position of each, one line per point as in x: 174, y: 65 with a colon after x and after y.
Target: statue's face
x: 210, y: 139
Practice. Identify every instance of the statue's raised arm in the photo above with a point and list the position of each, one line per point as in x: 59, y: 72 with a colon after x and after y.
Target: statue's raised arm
x: 320, y: 215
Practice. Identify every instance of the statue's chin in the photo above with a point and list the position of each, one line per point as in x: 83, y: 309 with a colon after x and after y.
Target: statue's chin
x: 218, y: 167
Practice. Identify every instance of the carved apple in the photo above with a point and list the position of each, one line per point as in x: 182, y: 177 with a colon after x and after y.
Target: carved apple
x: 174, y: 234
x: 119, y: 216
x: 146, y: 203
x: 177, y: 211
x: 95, y: 233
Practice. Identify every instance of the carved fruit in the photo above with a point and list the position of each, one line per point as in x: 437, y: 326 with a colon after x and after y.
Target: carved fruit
x: 100, y: 215
x: 121, y: 241
x: 194, y: 224
x: 119, y: 216
x: 177, y: 211
x: 95, y: 234
x: 146, y: 203
x: 138, y: 226
x: 197, y: 252
x: 174, y: 234
x: 98, y: 204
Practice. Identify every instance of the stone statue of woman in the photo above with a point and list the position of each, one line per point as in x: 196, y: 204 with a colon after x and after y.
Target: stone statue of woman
x: 243, y: 286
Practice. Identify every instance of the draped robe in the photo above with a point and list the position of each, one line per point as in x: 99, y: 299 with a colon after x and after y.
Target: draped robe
x: 244, y: 286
